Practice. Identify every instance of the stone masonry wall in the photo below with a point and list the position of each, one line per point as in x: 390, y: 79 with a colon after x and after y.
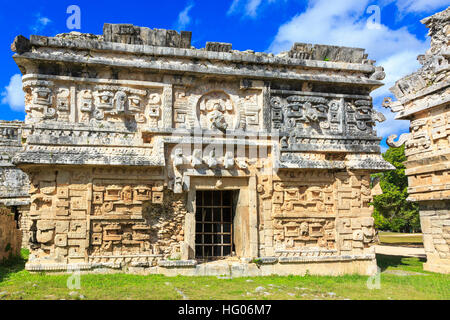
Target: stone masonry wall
x: 435, y: 223
x: 103, y: 215
x: 316, y: 214
x: 25, y: 224
x: 10, y: 235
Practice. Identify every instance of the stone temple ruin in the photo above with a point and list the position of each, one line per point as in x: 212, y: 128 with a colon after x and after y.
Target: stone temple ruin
x: 141, y: 153
x: 424, y: 98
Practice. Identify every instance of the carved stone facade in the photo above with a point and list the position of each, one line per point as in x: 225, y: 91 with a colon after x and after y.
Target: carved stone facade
x: 142, y: 152
x: 424, y: 99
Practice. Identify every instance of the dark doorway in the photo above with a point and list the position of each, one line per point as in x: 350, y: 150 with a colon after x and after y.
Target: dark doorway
x: 214, y: 224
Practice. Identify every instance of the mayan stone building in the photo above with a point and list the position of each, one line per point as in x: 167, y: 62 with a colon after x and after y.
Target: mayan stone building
x: 424, y: 98
x: 147, y: 154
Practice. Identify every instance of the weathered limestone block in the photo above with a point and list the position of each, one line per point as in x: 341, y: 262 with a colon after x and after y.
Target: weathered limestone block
x: 129, y: 34
x: 218, y: 46
x: 326, y: 52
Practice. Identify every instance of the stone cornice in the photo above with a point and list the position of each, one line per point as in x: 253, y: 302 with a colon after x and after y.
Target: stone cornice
x: 419, y: 105
x: 101, y: 46
x: 192, y: 68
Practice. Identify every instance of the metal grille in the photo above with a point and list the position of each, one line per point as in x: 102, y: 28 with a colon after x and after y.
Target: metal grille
x: 214, y: 224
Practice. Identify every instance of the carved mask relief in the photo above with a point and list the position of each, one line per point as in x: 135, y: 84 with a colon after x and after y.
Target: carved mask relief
x: 216, y: 111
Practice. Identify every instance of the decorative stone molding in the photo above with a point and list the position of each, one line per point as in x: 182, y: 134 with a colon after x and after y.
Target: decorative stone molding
x: 177, y: 263
x: 403, y: 138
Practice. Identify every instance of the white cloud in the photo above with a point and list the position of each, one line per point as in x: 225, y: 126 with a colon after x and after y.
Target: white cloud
x: 233, y: 7
x: 183, y: 18
x: 44, y: 21
x: 417, y: 6
x: 344, y: 23
x: 252, y: 6
x: 249, y: 7
x: 40, y: 23
x: 13, y: 94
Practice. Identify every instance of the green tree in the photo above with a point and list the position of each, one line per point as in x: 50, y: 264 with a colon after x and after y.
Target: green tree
x: 392, y: 211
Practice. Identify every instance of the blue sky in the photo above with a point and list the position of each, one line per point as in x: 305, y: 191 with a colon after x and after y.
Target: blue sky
x: 394, y: 40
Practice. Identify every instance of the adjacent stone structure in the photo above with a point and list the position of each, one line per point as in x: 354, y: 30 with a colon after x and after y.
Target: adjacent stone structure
x: 424, y: 99
x: 144, y: 152
x: 10, y: 235
x: 14, y: 183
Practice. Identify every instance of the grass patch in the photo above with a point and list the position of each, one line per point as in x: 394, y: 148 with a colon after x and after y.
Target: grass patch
x: 399, y: 238
x: 17, y: 283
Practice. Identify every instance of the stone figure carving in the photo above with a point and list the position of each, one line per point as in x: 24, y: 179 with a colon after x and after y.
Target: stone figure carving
x: 217, y: 119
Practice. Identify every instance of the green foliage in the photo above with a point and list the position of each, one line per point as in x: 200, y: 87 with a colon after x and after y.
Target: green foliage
x: 381, y: 223
x: 257, y: 261
x: 392, y: 211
